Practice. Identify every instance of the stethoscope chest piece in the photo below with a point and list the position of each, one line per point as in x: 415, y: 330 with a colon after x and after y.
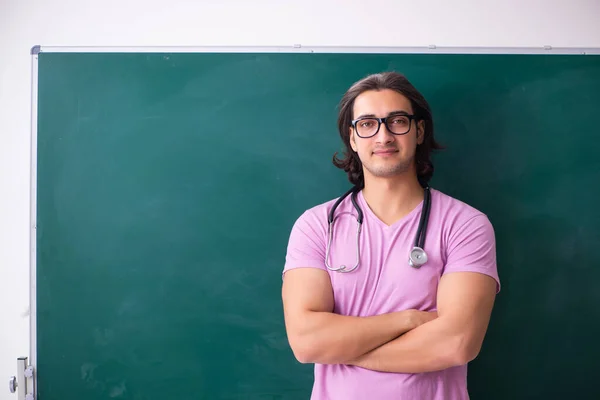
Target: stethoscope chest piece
x: 417, y: 258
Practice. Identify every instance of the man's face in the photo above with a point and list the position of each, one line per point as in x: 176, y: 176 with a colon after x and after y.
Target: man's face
x: 385, y: 154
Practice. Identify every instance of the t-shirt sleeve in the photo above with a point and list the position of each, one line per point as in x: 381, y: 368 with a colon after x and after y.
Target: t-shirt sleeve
x: 472, y: 248
x: 306, y: 245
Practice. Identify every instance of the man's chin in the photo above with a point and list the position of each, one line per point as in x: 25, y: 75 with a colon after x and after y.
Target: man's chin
x: 389, y: 171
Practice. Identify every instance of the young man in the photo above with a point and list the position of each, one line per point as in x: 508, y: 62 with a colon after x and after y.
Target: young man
x: 375, y: 326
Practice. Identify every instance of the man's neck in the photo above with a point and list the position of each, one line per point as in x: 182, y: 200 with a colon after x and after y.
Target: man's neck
x: 391, y: 199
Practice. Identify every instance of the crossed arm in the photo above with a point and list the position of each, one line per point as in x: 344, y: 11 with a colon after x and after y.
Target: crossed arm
x: 408, y: 341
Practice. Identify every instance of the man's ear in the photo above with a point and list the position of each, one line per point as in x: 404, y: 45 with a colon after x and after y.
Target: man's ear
x: 352, y: 139
x: 420, y: 132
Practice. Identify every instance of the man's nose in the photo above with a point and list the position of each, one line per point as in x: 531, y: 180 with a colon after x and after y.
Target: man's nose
x: 384, y: 136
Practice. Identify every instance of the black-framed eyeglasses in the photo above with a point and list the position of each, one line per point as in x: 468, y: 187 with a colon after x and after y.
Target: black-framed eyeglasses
x: 398, y: 124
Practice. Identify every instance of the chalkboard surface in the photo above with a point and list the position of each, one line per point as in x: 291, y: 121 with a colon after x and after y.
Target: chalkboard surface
x: 167, y: 184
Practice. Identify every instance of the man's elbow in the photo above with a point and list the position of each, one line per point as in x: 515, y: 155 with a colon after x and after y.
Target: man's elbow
x: 467, y: 350
x: 303, y: 355
x: 304, y: 358
x: 305, y: 351
x: 309, y: 350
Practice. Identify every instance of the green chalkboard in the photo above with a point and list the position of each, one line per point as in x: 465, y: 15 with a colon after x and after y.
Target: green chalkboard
x: 167, y: 185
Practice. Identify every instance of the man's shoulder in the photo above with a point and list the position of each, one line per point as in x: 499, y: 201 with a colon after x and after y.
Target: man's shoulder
x: 317, y: 214
x: 456, y: 209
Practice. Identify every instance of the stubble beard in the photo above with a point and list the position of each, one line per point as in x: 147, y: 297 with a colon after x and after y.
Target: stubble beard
x: 388, y: 171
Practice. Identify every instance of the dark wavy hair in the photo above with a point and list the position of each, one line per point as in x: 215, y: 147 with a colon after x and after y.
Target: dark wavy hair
x: 394, y: 81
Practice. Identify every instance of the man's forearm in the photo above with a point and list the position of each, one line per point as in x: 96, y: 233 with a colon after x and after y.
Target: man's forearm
x: 430, y: 347
x: 465, y: 302
x: 329, y: 338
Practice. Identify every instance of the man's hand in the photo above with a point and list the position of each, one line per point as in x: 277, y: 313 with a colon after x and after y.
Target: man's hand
x: 417, y: 318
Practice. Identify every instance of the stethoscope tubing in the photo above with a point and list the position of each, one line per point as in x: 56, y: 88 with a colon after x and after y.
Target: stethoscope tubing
x: 417, y: 256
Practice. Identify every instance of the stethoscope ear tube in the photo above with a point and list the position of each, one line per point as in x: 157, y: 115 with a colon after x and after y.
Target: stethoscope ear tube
x: 359, y: 218
x: 337, y: 203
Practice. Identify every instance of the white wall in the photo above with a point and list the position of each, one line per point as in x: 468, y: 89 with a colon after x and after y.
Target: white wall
x: 24, y: 23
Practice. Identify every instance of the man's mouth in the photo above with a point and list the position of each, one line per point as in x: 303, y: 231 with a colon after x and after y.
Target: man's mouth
x: 385, y: 152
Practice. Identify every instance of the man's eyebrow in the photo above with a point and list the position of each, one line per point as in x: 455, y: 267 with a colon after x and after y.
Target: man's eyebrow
x: 402, y: 112
x: 366, y: 116
x: 396, y: 112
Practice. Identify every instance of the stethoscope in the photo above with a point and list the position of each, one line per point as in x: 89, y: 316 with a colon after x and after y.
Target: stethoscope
x: 417, y: 256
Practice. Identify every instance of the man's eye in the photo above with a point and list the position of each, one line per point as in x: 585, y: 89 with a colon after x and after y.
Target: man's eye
x: 400, y: 121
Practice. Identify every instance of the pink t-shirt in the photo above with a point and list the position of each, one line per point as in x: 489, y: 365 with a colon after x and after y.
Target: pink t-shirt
x: 459, y: 238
